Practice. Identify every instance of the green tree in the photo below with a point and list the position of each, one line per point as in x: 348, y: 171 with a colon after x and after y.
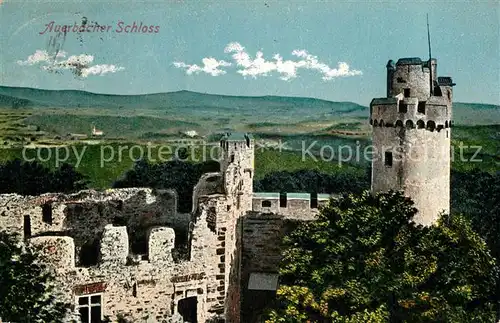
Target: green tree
x: 364, y: 260
x: 175, y: 174
x: 33, y: 178
x: 477, y: 194
x: 27, y: 293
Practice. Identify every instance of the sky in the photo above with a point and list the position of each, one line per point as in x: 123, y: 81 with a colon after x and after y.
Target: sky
x: 330, y: 50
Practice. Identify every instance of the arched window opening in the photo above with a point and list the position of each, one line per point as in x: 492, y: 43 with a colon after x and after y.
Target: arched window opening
x: 420, y: 124
x: 409, y: 124
x: 431, y: 125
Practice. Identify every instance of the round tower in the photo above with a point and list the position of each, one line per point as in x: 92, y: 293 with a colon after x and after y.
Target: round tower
x: 411, y: 137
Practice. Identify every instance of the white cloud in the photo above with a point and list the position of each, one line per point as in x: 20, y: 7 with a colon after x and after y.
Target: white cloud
x: 78, y: 64
x: 41, y: 56
x: 259, y: 66
x: 101, y: 70
x: 210, y: 66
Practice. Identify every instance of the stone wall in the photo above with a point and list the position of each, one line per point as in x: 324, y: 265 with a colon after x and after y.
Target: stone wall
x: 292, y: 205
x: 262, y: 238
x: 143, y: 289
x: 143, y: 286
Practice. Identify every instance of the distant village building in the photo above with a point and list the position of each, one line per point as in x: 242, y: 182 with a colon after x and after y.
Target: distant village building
x: 96, y: 133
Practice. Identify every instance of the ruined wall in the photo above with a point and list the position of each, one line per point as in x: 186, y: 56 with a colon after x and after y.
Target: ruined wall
x: 150, y: 285
x: 262, y: 246
x: 146, y: 288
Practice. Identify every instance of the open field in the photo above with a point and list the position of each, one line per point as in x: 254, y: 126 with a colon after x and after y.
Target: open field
x: 284, y: 129
x: 58, y: 113
x: 103, y: 163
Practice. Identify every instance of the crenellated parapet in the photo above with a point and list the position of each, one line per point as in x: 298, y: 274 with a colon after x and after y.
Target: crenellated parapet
x: 433, y: 114
x: 292, y: 205
x: 416, y: 97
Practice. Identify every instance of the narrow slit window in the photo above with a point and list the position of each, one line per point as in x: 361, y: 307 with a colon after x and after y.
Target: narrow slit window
x: 314, y: 201
x: 403, y: 107
x: 421, y: 107
x: 282, y: 199
x: 27, y: 226
x: 47, y: 213
x: 388, y: 159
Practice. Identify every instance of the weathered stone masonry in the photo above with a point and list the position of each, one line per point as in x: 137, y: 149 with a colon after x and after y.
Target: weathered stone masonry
x: 132, y: 253
x: 412, y: 135
x: 129, y: 251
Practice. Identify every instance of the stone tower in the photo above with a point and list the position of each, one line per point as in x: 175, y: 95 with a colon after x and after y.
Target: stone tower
x: 411, y: 136
x: 237, y: 174
x: 237, y: 168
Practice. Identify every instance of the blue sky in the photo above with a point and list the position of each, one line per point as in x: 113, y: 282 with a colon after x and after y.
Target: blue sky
x: 310, y: 37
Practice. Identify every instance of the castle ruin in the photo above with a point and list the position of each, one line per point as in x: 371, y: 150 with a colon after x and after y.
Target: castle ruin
x: 130, y: 252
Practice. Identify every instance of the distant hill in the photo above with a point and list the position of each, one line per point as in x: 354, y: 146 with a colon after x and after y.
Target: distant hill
x: 179, y: 99
x: 64, y: 111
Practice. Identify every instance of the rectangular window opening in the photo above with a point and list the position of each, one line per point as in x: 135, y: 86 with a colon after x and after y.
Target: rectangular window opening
x: 89, y: 253
x: 188, y: 309
x: 90, y: 308
x: 27, y: 226
x: 388, y: 159
x: 282, y: 199
x: 403, y: 107
x: 47, y: 213
x: 407, y: 93
x: 266, y: 203
x: 314, y: 200
x: 421, y: 107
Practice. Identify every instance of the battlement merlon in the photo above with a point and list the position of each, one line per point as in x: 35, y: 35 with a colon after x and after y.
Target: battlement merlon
x: 59, y: 251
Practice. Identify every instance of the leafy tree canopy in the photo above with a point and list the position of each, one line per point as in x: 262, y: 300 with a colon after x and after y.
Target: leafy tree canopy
x: 26, y: 293
x: 364, y: 260
x: 176, y: 174
x: 313, y: 181
x: 32, y: 178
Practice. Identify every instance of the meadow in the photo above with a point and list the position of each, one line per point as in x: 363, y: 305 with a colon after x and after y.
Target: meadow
x: 40, y: 121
